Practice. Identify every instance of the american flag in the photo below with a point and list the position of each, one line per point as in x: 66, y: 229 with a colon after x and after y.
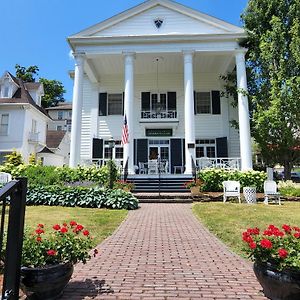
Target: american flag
x: 125, y: 133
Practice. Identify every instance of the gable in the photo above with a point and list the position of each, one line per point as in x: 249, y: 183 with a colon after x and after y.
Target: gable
x: 177, y: 20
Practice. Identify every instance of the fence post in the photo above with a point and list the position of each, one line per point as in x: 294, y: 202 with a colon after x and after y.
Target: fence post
x: 13, y: 255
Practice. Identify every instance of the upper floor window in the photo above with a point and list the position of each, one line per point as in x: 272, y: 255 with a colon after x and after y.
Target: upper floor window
x: 34, y: 126
x: 60, y: 115
x: 158, y: 102
x: 203, y: 102
x: 4, y: 118
x: 115, y: 104
x: 59, y: 128
x: 205, y: 148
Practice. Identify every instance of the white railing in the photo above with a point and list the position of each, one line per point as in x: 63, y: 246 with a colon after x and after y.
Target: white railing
x: 229, y: 163
x: 168, y: 114
x: 102, y: 162
x: 33, y: 137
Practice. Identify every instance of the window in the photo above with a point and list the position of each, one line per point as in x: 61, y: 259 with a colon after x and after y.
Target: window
x: 60, y: 115
x: 205, y: 148
x: 5, y: 92
x: 59, y: 128
x: 33, y: 126
x: 158, y: 102
x: 4, y: 124
x: 115, y: 104
x: 203, y: 102
x: 115, y: 153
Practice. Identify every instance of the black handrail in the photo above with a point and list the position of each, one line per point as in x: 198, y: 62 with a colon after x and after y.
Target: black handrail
x: 194, y: 171
x: 16, y: 190
x: 125, y: 172
x: 159, y: 167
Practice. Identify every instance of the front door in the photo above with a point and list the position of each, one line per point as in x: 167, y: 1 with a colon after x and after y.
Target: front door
x: 160, y: 149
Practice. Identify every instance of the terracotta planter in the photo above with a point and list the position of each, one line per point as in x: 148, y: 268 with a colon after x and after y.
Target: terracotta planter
x: 278, y: 285
x: 195, y: 190
x: 45, y: 283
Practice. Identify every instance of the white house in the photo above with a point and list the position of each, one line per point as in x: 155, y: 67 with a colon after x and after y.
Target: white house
x: 61, y: 116
x: 159, y: 64
x: 23, y: 122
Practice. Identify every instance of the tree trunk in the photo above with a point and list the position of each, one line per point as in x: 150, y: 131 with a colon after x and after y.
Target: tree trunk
x: 287, y: 169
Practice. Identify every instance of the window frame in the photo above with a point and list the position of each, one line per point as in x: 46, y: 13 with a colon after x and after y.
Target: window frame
x: 2, y: 124
x: 210, y: 103
x: 205, y: 144
x: 122, y: 104
x: 118, y: 145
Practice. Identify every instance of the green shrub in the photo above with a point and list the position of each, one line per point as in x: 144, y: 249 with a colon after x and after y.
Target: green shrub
x: 80, y: 196
x: 213, y: 179
x: 289, y: 188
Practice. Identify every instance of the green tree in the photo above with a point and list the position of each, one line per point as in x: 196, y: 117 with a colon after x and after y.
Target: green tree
x: 53, y: 89
x: 273, y: 60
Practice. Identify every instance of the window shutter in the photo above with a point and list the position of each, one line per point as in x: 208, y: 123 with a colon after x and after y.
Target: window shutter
x: 195, y: 104
x: 102, y: 104
x: 123, y: 99
x: 145, y: 101
x: 222, y: 149
x: 97, y: 148
x: 176, y: 153
x: 142, y: 150
x: 216, y: 105
x: 172, y: 101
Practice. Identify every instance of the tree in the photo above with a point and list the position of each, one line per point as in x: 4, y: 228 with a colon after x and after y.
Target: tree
x: 273, y: 60
x: 53, y: 89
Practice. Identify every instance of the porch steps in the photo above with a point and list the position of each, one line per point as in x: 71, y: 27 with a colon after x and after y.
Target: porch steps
x: 166, y: 184
x: 164, y: 197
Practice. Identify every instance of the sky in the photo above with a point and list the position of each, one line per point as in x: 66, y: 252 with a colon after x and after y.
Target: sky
x: 34, y: 32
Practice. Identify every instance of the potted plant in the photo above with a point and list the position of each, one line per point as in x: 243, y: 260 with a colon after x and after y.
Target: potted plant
x: 194, y: 185
x: 48, y: 258
x: 275, y: 252
x: 124, y: 185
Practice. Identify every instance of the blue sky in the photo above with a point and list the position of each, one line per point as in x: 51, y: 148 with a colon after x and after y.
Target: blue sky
x: 34, y: 32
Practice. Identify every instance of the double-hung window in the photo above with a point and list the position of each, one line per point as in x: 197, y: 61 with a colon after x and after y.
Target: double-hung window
x: 203, y: 103
x: 4, y: 118
x: 114, y: 153
x: 115, y: 104
x: 60, y: 115
x: 205, y: 148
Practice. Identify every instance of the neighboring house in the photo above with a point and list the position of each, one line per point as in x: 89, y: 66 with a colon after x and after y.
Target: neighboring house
x: 23, y: 122
x: 56, y: 153
x: 61, y: 116
x: 159, y: 64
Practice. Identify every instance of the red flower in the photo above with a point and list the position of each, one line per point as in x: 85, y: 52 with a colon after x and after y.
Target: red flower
x: 65, y: 224
x: 79, y: 227
x: 85, y: 232
x: 286, y: 228
x: 56, y: 227
x: 73, y: 223
x: 39, y: 231
x: 247, y: 237
x: 64, y: 230
x: 282, y: 253
x: 265, y: 243
x: 252, y: 245
x: 296, y: 228
x: 297, y: 235
x: 41, y: 225
x: 38, y: 239
x: 51, y: 252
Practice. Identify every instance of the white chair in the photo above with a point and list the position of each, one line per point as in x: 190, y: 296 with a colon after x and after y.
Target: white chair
x: 166, y: 169
x: 5, y: 177
x: 152, y: 166
x: 142, y: 168
x: 231, y: 188
x: 270, y: 190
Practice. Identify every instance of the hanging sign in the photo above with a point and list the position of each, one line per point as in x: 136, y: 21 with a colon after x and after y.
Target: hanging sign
x: 159, y: 132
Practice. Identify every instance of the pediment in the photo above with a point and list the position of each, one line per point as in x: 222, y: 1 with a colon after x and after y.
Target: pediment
x: 159, y: 17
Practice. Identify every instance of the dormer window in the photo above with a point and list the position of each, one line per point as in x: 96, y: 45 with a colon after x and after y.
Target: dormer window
x: 6, y: 92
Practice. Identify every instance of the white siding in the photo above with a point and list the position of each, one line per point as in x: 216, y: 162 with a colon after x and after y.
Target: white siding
x: 174, y: 23
x: 234, y: 138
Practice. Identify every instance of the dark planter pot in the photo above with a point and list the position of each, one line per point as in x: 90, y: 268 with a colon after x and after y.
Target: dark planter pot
x: 45, y: 283
x: 278, y: 285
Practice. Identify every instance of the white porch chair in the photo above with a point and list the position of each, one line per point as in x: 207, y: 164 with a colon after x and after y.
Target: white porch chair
x: 270, y: 191
x: 142, y: 168
x: 152, y: 166
x: 231, y: 188
x: 5, y: 177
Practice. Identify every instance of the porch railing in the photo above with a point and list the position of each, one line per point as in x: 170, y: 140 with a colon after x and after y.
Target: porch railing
x: 168, y: 114
x: 13, y: 202
x: 230, y: 163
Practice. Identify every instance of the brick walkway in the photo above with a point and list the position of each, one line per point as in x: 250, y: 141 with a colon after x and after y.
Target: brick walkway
x: 161, y: 251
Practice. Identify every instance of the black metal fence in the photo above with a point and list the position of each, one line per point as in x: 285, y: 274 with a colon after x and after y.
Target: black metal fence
x: 13, y: 202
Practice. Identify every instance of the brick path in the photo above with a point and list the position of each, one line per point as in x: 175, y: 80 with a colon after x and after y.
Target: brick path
x: 161, y: 251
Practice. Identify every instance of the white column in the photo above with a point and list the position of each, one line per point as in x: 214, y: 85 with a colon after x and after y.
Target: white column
x: 77, y: 110
x: 128, y: 107
x: 189, y: 117
x: 243, y: 107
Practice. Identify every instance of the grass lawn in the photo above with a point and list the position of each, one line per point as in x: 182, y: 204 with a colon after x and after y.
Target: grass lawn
x: 228, y: 221
x: 100, y: 222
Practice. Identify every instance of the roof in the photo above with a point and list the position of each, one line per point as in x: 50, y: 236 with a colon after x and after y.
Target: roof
x: 46, y: 150
x: 22, y: 96
x: 33, y: 85
x: 54, y: 138
x: 67, y: 106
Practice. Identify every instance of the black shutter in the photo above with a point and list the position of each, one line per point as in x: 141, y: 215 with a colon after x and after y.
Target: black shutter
x: 142, y: 150
x: 195, y: 104
x: 145, y: 101
x: 123, y: 101
x: 102, y: 104
x: 172, y: 101
x: 176, y: 153
x: 222, y: 149
x: 97, y: 148
x: 216, y: 105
